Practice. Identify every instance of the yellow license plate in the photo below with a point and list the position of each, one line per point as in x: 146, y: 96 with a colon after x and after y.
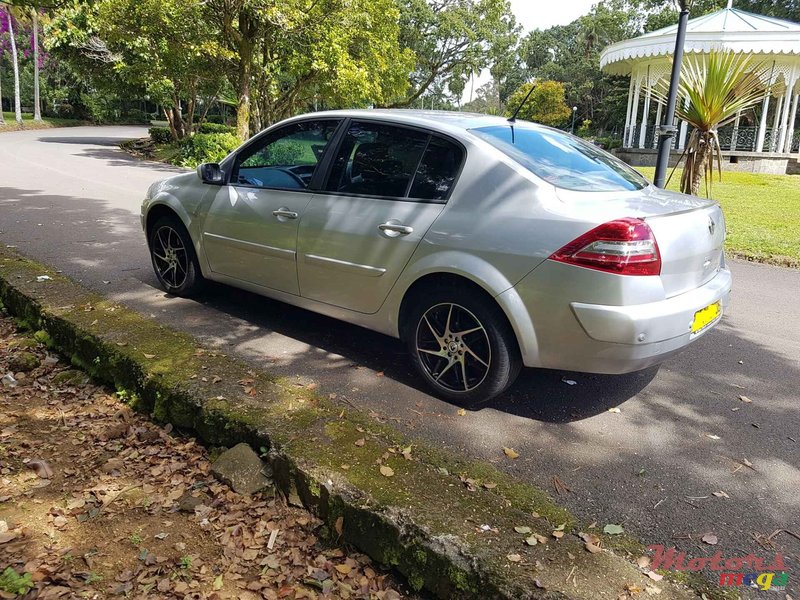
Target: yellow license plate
x: 703, y: 318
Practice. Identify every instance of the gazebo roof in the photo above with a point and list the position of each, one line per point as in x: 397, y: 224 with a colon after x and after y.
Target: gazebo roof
x: 729, y: 28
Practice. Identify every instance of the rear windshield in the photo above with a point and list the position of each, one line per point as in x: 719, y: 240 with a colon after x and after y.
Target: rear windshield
x: 565, y: 161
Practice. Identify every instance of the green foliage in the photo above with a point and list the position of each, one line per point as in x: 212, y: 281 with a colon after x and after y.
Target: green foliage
x: 608, y: 143
x: 286, y: 153
x: 208, y: 127
x: 546, y: 104
x: 13, y: 583
x: 207, y: 147
x: 160, y: 135
x: 452, y: 39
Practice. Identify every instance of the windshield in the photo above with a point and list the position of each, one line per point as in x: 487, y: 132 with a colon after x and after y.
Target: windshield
x: 562, y: 160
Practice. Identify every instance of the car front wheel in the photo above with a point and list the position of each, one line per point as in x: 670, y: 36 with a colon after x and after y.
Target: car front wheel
x: 174, y: 259
x: 462, y: 345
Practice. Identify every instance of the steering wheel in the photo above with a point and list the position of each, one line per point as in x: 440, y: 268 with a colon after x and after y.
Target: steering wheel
x: 293, y: 175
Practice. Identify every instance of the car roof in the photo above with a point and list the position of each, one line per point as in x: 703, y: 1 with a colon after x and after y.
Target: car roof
x: 442, y: 120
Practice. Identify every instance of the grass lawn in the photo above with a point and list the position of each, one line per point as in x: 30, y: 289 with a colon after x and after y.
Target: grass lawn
x: 28, y: 122
x: 762, y: 213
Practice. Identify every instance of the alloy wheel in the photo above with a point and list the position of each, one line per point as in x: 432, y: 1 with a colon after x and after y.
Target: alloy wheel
x: 453, y: 347
x: 170, y: 257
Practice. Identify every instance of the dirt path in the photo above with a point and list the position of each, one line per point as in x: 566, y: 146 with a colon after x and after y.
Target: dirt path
x: 98, y: 502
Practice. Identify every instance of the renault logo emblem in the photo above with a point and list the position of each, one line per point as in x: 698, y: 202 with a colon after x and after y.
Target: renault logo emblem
x: 711, y: 226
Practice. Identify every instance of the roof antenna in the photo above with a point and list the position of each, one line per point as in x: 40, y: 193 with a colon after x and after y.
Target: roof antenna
x: 513, y: 118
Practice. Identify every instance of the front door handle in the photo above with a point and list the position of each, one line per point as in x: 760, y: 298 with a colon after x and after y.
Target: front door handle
x: 284, y: 213
x: 395, y: 228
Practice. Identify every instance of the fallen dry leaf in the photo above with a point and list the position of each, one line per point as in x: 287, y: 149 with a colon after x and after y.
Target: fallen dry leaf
x: 360, y: 442
x: 655, y: 576
x: 515, y: 558
x: 149, y: 355
x: 643, y: 562
x: 510, y: 452
x: 522, y: 529
x: 592, y: 548
x: 711, y: 436
x: 721, y: 494
x: 710, y: 539
x: 558, y: 534
x: 387, y: 471
x: 41, y: 468
x: 745, y: 399
x: 614, y: 410
x: 462, y: 412
x: 339, y: 525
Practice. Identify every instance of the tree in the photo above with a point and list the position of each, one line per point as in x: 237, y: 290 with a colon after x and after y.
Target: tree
x: 14, y: 62
x: 717, y: 88
x: 452, y: 39
x: 37, y: 103
x: 546, y: 104
x: 290, y: 54
x: 487, y: 100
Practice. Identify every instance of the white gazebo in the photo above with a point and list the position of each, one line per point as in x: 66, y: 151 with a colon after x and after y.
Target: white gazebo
x: 762, y: 138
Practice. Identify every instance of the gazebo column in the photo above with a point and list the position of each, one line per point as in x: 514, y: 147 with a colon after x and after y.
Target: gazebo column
x: 656, y: 124
x: 735, y: 134
x: 792, y: 122
x: 645, y: 114
x: 684, y: 129
x: 634, y: 113
x: 628, y: 112
x: 786, y: 110
x: 775, y: 124
x: 762, y: 126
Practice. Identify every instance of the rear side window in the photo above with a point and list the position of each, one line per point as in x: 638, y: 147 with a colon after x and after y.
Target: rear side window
x: 376, y: 160
x: 564, y: 161
x: 437, y: 170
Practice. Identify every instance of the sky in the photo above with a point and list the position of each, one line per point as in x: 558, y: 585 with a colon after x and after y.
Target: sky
x: 539, y: 14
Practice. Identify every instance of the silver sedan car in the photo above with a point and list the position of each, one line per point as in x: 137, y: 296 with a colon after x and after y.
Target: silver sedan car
x: 484, y: 244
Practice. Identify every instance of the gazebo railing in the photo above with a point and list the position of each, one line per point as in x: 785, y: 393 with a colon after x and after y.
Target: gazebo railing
x: 743, y: 139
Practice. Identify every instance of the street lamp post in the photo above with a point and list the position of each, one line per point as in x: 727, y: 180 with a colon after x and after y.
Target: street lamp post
x: 574, y: 112
x: 667, y: 129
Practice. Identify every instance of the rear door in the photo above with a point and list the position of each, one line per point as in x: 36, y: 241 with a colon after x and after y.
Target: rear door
x: 386, y: 187
x: 250, y: 232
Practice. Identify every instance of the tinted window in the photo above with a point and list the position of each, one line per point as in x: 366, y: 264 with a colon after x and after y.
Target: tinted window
x: 287, y: 158
x: 437, y: 170
x: 376, y: 160
x: 565, y: 161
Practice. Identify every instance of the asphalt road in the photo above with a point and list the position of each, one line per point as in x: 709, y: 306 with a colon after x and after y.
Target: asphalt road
x: 70, y: 198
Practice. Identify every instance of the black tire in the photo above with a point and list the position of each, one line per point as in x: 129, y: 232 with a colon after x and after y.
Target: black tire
x: 486, y: 361
x: 174, y: 259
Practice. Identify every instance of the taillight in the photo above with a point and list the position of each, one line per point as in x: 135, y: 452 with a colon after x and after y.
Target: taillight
x: 625, y: 246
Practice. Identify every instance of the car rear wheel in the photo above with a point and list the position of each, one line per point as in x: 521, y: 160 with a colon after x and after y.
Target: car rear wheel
x: 174, y: 259
x: 462, y: 345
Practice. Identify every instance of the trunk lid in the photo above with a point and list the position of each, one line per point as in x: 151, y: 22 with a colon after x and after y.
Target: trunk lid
x: 690, y: 231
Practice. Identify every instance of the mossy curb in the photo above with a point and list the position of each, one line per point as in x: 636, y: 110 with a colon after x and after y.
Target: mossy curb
x: 423, y: 520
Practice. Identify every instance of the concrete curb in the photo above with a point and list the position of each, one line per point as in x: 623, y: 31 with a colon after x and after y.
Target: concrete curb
x: 422, y: 520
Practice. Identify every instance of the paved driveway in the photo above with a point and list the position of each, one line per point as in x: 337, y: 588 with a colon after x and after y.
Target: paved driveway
x: 70, y: 198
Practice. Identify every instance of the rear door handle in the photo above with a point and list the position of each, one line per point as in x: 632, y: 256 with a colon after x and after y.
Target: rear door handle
x: 285, y: 213
x: 396, y: 228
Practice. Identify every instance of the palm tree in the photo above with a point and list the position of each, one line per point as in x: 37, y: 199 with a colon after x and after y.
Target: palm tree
x: 717, y: 88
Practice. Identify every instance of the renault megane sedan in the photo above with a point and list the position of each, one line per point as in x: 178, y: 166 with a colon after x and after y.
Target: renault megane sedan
x: 484, y: 244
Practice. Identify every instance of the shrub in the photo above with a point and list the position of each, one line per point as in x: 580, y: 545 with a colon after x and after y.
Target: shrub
x: 218, y: 119
x: 134, y: 115
x: 207, y: 147
x: 608, y: 143
x: 160, y: 135
x: 215, y: 128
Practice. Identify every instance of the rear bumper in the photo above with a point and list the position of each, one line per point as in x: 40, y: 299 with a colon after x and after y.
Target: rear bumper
x: 644, y: 324
x: 614, y: 338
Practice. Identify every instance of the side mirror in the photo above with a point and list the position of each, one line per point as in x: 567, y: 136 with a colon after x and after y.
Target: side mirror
x: 210, y: 173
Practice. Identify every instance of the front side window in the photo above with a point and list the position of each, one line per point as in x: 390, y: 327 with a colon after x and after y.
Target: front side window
x: 287, y: 158
x: 562, y: 160
x: 377, y: 160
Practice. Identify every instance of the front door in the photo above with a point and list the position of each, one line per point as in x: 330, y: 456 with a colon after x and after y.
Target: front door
x: 250, y: 232
x: 386, y: 187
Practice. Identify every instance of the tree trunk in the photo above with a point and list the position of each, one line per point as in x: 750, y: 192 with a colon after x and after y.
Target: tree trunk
x: 243, y: 91
x: 37, y: 105
x: 698, y: 165
x: 2, y: 118
x: 15, y: 63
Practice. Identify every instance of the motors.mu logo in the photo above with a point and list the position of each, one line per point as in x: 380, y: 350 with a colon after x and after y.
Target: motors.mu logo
x: 749, y: 570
